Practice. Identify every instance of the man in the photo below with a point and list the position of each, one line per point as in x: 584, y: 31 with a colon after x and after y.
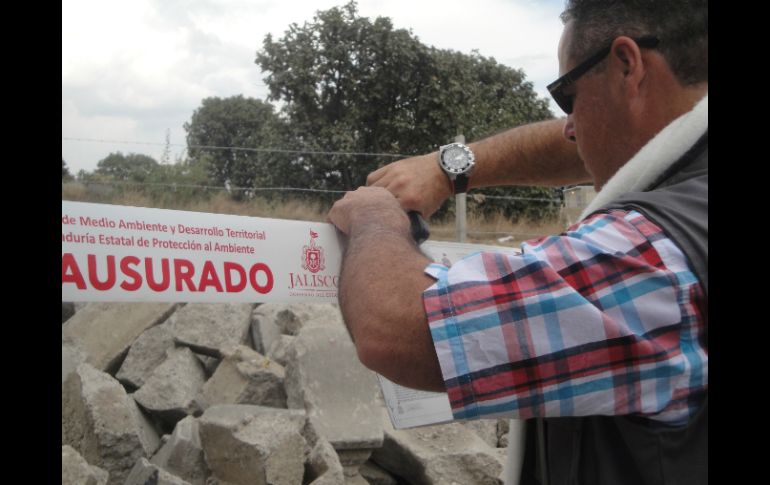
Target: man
x: 600, y: 330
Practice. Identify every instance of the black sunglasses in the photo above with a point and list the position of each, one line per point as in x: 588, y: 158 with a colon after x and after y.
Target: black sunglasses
x: 557, y: 87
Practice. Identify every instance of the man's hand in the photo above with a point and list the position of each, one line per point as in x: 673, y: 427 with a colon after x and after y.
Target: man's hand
x: 418, y: 183
x: 368, y: 205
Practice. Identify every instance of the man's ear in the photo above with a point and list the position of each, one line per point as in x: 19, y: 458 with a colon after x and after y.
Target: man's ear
x: 626, y: 58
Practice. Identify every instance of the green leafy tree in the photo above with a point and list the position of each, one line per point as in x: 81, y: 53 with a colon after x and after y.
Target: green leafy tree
x: 221, y: 133
x: 132, y: 167
x: 351, y: 84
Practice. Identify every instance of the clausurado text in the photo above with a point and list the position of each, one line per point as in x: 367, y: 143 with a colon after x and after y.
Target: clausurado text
x: 132, y: 273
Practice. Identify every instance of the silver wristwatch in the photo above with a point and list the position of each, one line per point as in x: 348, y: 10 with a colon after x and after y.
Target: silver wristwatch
x: 457, y: 161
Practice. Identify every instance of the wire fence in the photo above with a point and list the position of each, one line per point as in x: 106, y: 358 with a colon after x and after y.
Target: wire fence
x: 285, y: 189
x: 297, y: 151
x: 279, y: 195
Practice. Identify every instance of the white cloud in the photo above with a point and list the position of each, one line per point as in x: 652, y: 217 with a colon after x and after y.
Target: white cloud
x: 132, y: 70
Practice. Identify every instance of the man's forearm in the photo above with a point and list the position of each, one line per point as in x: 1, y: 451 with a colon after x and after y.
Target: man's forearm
x: 533, y: 154
x: 381, y: 287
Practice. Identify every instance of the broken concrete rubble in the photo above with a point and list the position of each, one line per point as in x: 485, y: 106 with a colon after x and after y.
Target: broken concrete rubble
x: 208, y: 327
x: 443, y: 454
x: 67, y: 310
x: 264, y: 329
x: 171, y: 389
x: 104, y: 331
x: 103, y: 423
x: 254, y: 445
x: 323, y: 465
x: 335, y: 397
x: 182, y: 454
x: 325, y: 378
x: 293, y: 317
x: 145, y: 473
x: 279, y: 349
x: 145, y: 354
x: 75, y: 469
x: 71, y: 356
x: 375, y: 475
x: 245, y: 377
x: 486, y: 429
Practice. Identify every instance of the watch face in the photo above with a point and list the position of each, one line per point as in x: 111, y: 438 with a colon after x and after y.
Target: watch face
x: 456, y: 159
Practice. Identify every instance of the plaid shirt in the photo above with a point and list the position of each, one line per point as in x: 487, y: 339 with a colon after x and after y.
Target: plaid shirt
x: 600, y: 320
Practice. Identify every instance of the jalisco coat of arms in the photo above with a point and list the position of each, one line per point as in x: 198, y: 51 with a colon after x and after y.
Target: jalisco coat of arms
x: 313, y: 256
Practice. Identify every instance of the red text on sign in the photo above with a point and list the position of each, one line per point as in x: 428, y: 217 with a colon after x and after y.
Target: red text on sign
x: 134, y: 273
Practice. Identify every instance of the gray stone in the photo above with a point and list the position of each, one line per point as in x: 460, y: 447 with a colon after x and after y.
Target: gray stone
x: 245, y: 377
x: 486, y: 429
x: 503, y: 425
x: 295, y: 316
x: 182, y: 454
x: 105, y: 331
x: 279, y: 349
x: 67, y: 310
x: 208, y: 327
x: 145, y: 473
x: 76, y: 471
x: 246, y: 444
x: 145, y: 354
x: 375, y: 475
x: 79, y: 305
x: 210, y: 364
x: 442, y: 454
x: 329, y: 479
x: 264, y: 329
x: 351, y: 460
x: 103, y: 423
x: 323, y: 465
x: 356, y: 479
x: 171, y: 389
x: 325, y: 377
x: 71, y: 356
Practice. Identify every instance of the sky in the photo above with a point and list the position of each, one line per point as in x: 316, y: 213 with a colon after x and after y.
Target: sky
x: 134, y: 72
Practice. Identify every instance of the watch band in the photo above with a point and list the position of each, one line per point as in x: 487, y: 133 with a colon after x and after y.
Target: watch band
x: 460, y: 184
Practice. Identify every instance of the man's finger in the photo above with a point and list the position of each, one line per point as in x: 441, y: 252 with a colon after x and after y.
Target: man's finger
x: 373, y: 177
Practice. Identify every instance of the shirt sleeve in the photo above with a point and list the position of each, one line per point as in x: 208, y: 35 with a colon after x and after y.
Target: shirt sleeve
x: 603, y: 319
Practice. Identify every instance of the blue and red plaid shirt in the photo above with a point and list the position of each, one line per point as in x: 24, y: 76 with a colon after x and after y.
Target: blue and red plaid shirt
x: 603, y: 319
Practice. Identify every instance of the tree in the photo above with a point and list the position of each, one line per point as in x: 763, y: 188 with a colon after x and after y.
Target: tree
x: 133, y: 167
x: 65, y: 173
x: 222, y: 127
x: 350, y: 84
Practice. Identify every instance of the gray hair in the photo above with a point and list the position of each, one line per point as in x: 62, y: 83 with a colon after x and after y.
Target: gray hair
x: 681, y: 26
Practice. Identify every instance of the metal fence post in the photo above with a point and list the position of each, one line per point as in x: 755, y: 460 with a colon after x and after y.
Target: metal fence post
x: 461, y: 228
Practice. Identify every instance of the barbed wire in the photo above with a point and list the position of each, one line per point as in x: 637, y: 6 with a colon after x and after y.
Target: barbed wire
x: 278, y: 189
x: 508, y: 197
x: 283, y: 150
x: 452, y: 231
x: 245, y: 149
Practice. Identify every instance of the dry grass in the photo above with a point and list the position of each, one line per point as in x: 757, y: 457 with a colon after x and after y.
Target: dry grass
x: 483, y: 230
x: 496, y: 230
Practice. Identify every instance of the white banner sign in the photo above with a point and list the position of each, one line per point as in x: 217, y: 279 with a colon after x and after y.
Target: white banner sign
x: 119, y: 253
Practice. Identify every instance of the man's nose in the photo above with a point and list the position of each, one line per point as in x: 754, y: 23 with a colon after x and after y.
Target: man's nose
x: 569, y: 129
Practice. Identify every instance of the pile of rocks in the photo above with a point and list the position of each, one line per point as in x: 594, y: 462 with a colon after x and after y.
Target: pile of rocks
x: 242, y: 394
